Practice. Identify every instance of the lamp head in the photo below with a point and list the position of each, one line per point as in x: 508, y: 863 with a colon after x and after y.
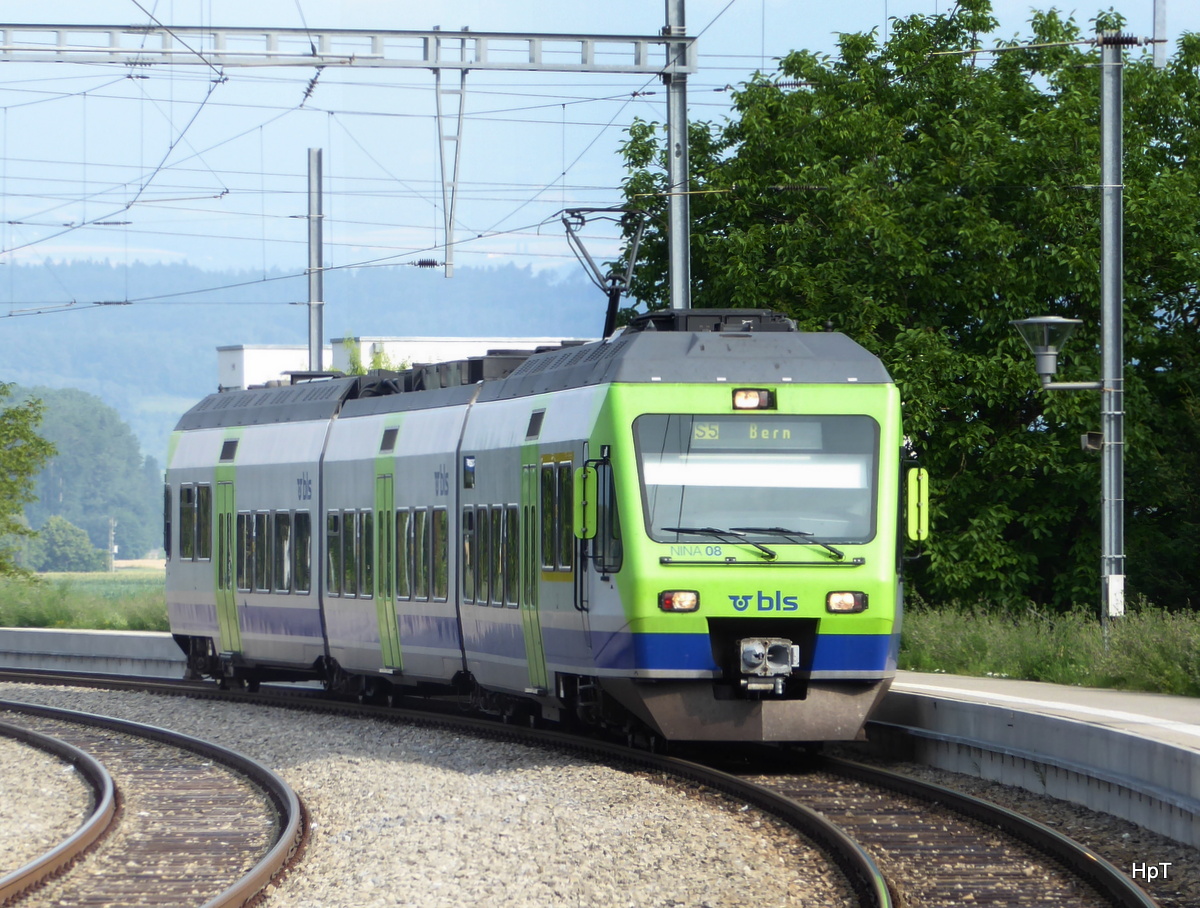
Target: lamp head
x: 1046, y: 336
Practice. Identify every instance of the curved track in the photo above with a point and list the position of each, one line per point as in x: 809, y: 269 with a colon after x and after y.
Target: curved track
x: 939, y: 847
x: 197, y: 824
x: 102, y: 811
x: 935, y: 846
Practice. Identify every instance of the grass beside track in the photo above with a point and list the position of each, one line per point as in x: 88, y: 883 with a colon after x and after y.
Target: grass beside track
x: 128, y: 600
x: 1148, y: 650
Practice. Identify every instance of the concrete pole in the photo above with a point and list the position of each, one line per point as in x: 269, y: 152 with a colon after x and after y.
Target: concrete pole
x: 1160, y: 33
x: 316, y: 282
x: 679, y: 217
x: 1112, y: 347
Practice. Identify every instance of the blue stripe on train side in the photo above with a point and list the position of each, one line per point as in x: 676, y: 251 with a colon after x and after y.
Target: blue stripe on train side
x: 197, y: 618
x: 692, y: 652
x: 484, y: 637
x: 624, y: 651
x: 429, y: 631
x: 284, y: 621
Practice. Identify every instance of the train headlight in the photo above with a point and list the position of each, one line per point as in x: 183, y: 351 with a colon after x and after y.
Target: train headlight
x: 841, y: 603
x: 753, y: 399
x: 679, y: 601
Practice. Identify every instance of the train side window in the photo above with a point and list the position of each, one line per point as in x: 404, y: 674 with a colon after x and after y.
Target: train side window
x: 563, y: 517
x: 349, y: 555
x: 403, y: 555
x: 441, y: 554
x: 529, y: 553
x: 224, y: 561
x: 610, y: 551
x: 245, y: 551
x: 167, y: 521
x: 302, y: 549
x: 262, y: 553
x: 483, y: 531
x: 283, y: 552
x: 387, y: 555
x: 187, y: 522
x: 512, y: 555
x: 204, y: 511
x: 366, y: 551
x: 499, y: 550
x: 549, y: 509
x: 333, y: 548
x: 468, y: 554
x: 420, y: 553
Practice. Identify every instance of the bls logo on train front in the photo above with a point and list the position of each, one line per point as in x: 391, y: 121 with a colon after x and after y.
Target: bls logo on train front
x: 766, y: 602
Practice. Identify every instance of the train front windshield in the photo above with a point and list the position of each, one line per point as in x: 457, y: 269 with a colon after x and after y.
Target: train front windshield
x: 812, y: 474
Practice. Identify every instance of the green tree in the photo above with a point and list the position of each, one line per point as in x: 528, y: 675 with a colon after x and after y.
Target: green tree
x: 62, y: 546
x: 22, y: 454
x: 380, y: 361
x: 97, y: 473
x: 919, y: 195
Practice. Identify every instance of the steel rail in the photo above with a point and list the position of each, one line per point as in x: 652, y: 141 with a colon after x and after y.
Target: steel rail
x: 292, y: 829
x: 93, y: 827
x: 1085, y: 863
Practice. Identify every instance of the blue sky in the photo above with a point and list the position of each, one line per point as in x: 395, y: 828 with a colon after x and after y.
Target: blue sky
x: 182, y: 169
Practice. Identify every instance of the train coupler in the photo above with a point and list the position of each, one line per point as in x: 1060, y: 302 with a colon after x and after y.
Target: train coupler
x: 767, y: 663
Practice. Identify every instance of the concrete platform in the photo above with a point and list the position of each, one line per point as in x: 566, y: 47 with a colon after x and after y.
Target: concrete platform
x: 137, y: 654
x: 1133, y: 755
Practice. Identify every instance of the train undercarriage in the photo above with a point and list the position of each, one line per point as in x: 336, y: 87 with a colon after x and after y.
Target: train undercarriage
x: 723, y: 709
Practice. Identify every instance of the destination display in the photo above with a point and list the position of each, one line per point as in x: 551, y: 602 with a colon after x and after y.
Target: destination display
x: 735, y: 433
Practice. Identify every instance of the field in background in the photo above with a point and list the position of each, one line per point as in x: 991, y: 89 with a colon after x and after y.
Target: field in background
x: 130, y: 599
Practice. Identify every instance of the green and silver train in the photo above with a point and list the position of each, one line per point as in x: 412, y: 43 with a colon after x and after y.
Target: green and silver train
x: 692, y: 529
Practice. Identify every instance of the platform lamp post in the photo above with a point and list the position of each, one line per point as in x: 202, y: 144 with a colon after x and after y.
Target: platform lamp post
x: 1046, y: 336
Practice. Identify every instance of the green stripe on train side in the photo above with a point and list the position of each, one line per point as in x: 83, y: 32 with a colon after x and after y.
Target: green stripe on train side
x: 385, y: 556
x: 531, y: 567
x: 172, y: 446
x: 226, y: 549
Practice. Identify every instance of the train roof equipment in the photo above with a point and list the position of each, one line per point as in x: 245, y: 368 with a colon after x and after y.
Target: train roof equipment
x: 679, y: 346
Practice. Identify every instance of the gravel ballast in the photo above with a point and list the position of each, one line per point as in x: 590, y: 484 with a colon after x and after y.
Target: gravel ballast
x: 43, y: 800
x: 409, y: 816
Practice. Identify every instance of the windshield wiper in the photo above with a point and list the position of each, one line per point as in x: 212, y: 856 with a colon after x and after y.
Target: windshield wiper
x: 721, y: 534
x: 803, y: 537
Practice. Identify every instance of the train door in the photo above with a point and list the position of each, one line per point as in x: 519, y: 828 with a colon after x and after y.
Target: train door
x: 385, y: 572
x: 227, y: 618
x: 530, y: 575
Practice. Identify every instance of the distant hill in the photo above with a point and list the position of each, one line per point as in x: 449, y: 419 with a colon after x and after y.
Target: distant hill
x: 153, y: 358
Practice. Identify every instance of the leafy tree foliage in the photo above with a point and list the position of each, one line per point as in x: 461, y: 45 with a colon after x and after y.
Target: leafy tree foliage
x: 919, y: 196
x: 62, y: 546
x: 97, y: 473
x: 22, y: 454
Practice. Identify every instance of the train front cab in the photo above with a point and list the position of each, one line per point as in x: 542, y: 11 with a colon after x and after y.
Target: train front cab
x: 726, y: 623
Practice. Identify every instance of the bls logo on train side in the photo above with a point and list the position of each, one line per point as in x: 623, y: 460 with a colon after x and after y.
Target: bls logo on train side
x: 441, y: 481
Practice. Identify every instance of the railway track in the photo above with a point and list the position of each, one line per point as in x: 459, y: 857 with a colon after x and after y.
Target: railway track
x: 922, y: 846
x: 175, y: 821
x: 939, y: 848
x: 102, y: 808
